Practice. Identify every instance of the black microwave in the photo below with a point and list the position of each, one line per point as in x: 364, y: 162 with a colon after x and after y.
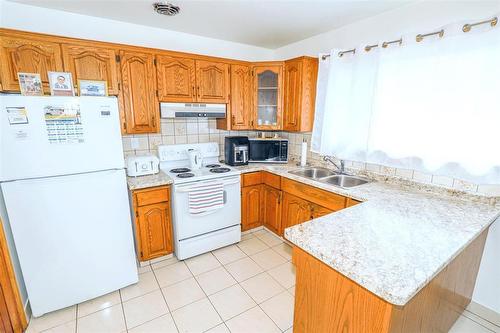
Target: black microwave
x: 268, y: 150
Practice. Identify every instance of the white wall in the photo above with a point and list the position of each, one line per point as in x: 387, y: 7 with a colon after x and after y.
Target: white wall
x: 487, y: 291
x: 36, y: 19
x: 420, y: 17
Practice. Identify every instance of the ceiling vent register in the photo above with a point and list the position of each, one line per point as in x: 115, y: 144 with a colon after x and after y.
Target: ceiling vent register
x: 166, y: 8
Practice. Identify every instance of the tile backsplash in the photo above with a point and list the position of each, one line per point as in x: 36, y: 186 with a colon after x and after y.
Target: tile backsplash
x: 180, y: 130
x: 295, y: 140
x: 199, y: 130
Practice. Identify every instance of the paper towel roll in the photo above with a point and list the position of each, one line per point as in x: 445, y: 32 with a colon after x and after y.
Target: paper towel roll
x: 303, y: 154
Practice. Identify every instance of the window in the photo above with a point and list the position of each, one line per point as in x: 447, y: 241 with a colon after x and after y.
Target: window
x: 432, y: 106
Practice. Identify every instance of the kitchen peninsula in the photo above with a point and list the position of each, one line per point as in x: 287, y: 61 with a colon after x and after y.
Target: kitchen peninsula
x: 405, y: 260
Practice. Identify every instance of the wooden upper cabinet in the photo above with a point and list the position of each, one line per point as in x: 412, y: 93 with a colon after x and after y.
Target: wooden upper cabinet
x: 241, y: 97
x: 293, y: 90
x: 271, y: 208
x: 268, y: 97
x: 87, y: 62
x: 138, y: 94
x: 154, y: 230
x: 251, y: 204
x: 212, y: 79
x: 21, y: 54
x: 300, y: 94
x: 176, y: 79
x: 295, y: 211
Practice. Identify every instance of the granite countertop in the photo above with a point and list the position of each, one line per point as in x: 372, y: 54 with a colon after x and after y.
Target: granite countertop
x: 396, y: 241
x: 140, y: 182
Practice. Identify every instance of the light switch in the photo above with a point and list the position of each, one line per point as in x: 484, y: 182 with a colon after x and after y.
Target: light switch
x: 134, y: 143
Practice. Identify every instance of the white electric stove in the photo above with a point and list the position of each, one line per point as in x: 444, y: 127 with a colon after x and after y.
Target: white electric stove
x: 202, y: 232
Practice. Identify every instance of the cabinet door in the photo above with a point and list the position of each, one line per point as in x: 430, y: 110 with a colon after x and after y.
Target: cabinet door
x: 155, y: 235
x: 295, y: 211
x: 5, y: 324
x: 292, y: 99
x: 351, y: 202
x: 318, y: 211
x: 87, y: 62
x: 251, y: 204
x: 29, y: 56
x: 138, y: 94
x: 241, y: 97
x: 176, y: 79
x: 271, y: 210
x: 268, y: 97
x: 212, y: 80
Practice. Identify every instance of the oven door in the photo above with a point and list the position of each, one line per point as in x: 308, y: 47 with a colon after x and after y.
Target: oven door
x: 268, y: 151
x: 187, y: 225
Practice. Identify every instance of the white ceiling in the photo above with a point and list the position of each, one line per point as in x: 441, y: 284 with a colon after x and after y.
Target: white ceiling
x: 270, y: 24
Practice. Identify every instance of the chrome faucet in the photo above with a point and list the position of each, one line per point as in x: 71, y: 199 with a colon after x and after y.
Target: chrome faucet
x: 339, y: 168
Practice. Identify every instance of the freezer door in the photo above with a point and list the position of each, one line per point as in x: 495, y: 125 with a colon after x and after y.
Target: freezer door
x: 51, y: 136
x: 73, y: 236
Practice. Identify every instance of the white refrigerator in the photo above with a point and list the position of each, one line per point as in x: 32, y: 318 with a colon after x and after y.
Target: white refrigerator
x: 64, y: 187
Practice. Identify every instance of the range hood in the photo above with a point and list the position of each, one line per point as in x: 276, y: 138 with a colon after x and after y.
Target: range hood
x: 180, y: 110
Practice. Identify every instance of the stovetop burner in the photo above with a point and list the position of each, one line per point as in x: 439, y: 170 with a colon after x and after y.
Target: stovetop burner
x: 180, y: 170
x: 185, y: 175
x: 212, y: 166
x: 220, y: 170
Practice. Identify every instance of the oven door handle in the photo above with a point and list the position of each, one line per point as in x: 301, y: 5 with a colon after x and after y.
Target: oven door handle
x: 188, y: 189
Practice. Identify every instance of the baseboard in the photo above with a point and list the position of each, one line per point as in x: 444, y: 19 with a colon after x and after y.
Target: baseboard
x: 251, y: 230
x: 484, y: 312
x: 27, y: 310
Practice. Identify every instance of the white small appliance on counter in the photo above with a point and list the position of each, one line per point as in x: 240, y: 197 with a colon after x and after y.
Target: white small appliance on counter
x: 206, y: 202
x: 195, y: 159
x: 142, y: 165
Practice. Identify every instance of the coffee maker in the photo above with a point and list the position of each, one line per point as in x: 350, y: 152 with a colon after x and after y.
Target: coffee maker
x: 236, y: 150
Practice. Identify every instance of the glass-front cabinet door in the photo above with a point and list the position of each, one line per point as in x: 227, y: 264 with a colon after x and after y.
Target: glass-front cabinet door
x: 268, y: 97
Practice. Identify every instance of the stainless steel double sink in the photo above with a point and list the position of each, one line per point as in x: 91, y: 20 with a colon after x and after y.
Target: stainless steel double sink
x: 326, y: 176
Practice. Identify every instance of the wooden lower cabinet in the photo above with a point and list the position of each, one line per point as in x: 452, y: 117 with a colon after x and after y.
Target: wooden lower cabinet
x: 5, y: 324
x: 154, y: 226
x: 271, y: 208
x: 318, y: 211
x: 251, y: 207
x: 295, y: 211
x: 279, y: 203
x: 153, y: 223
x: 351, y: 202
x: 12, y: 315
x: 327, y: 301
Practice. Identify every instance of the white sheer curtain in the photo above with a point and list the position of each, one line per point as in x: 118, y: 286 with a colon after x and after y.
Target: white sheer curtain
x: 432, y: 106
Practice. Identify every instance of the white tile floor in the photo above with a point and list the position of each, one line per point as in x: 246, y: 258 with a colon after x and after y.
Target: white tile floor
x: 247, y: 287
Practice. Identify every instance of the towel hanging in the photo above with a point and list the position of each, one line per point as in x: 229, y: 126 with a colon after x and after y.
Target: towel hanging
x: 205, y: 198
